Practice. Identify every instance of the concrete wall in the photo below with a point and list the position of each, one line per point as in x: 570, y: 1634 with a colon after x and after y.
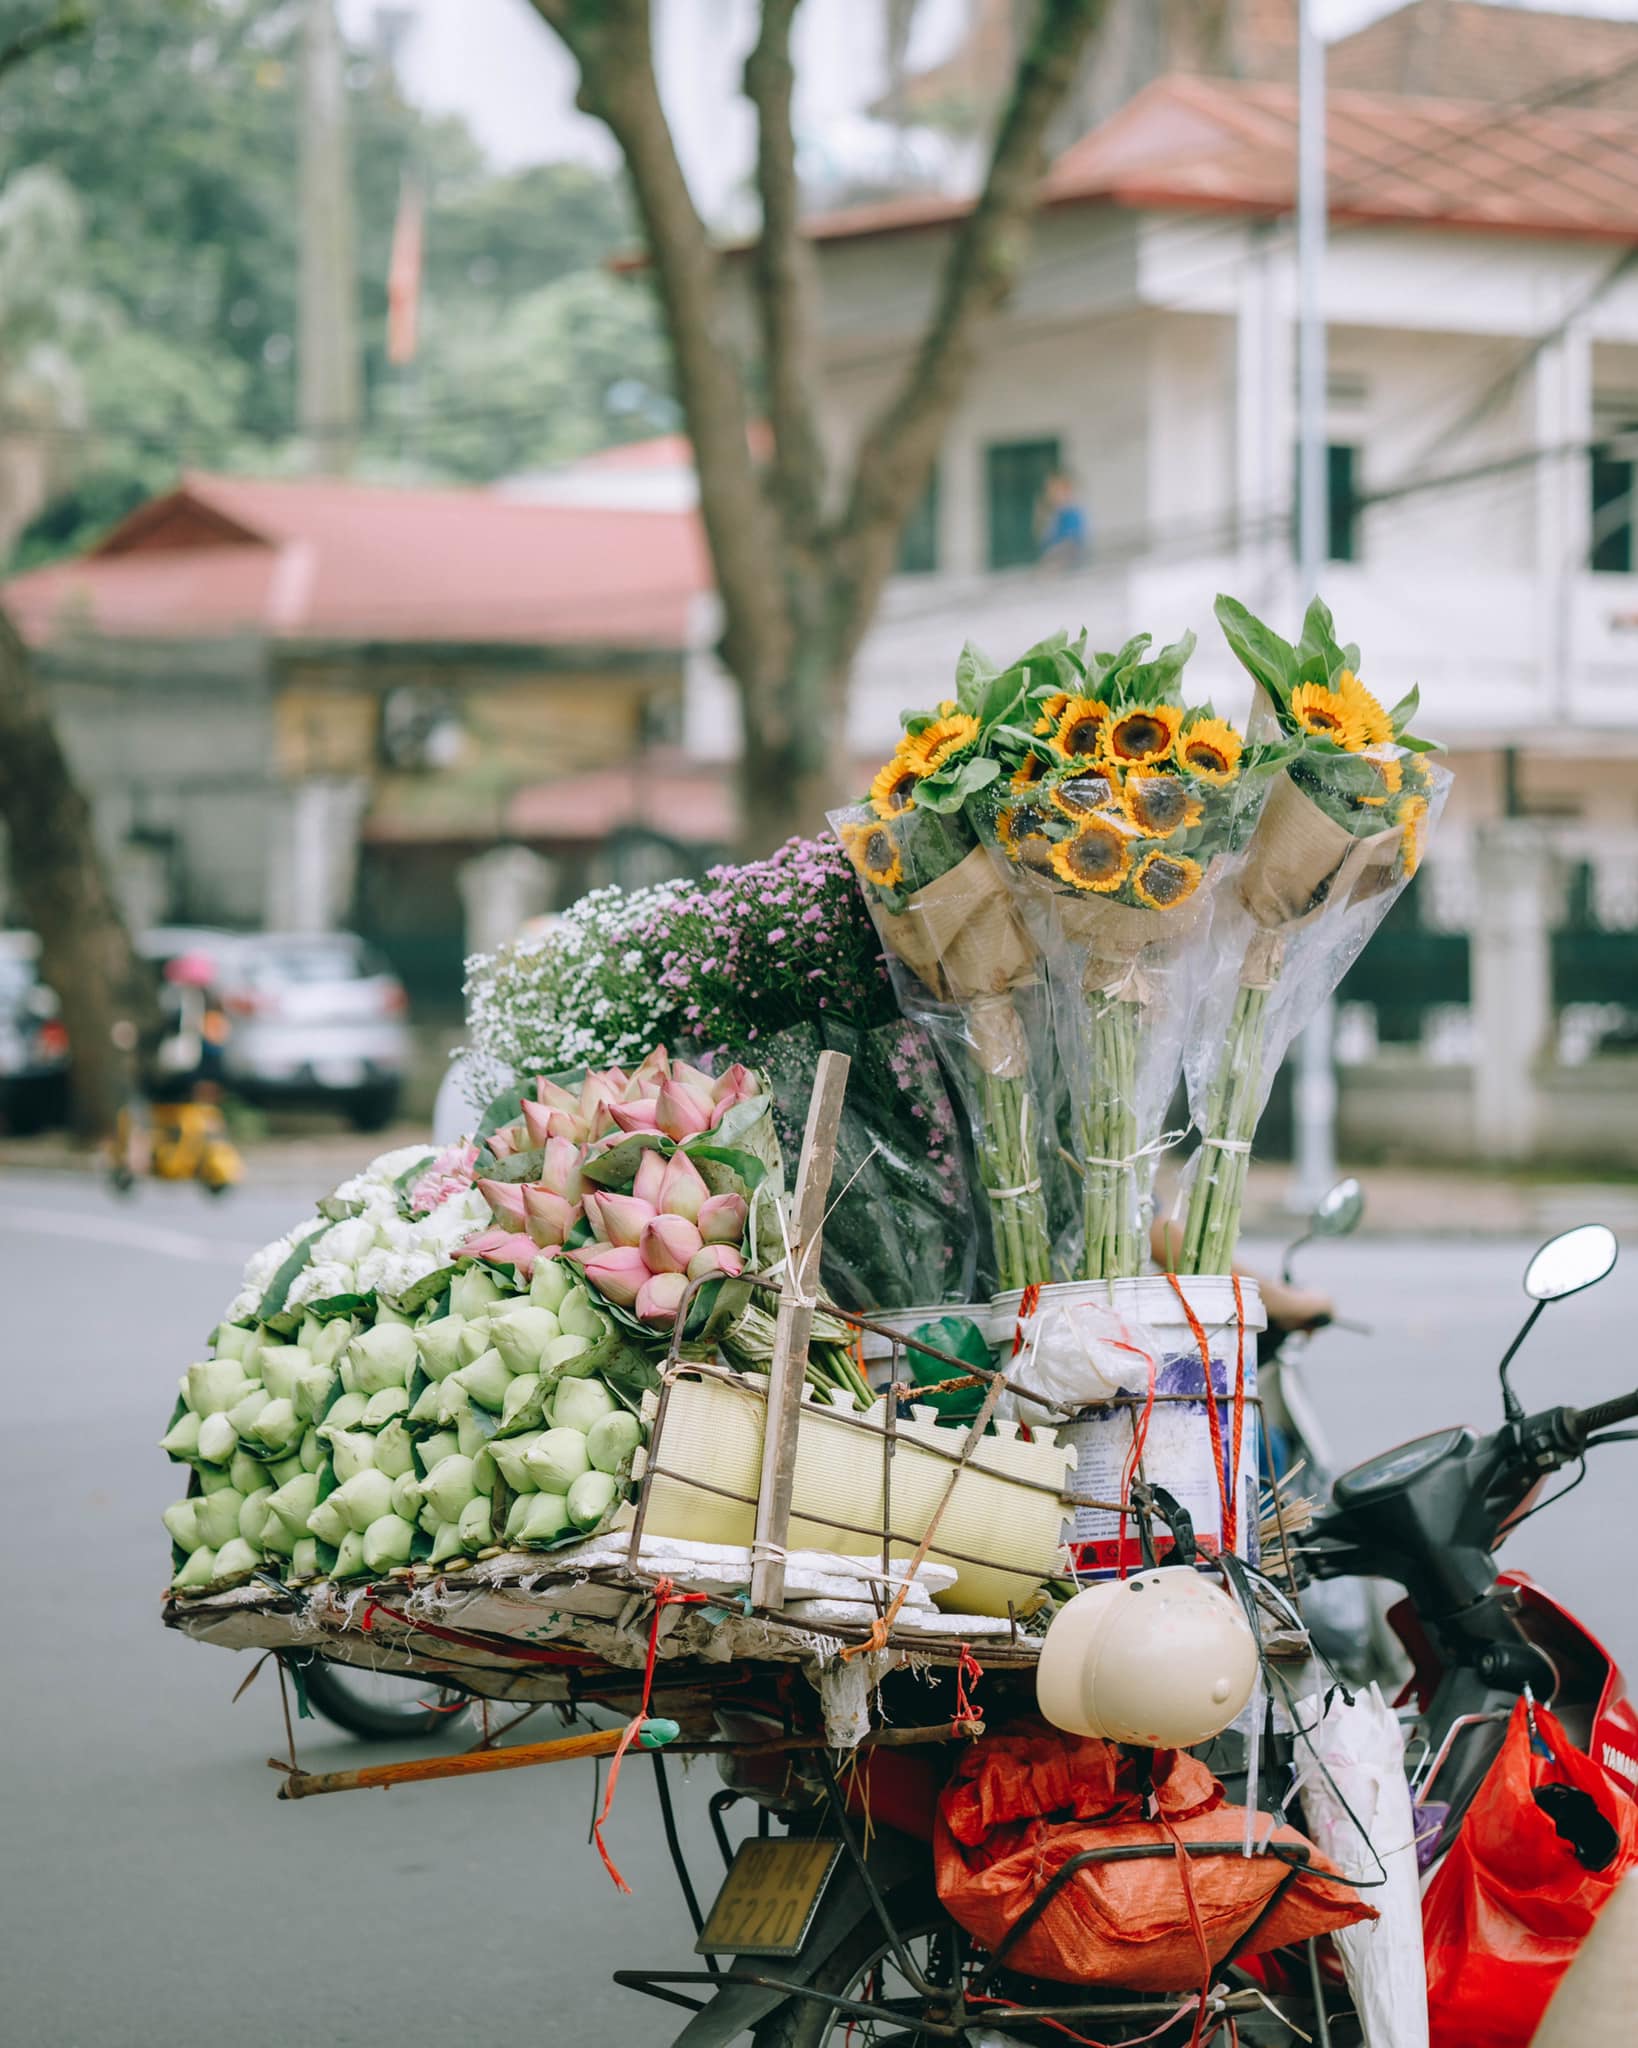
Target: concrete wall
x: 1404, y: 1110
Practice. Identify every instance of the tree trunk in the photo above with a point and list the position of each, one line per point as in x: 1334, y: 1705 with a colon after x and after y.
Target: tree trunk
x: 62, y: 890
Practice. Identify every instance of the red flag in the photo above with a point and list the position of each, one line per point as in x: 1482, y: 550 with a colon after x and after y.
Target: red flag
x: 404, y: 277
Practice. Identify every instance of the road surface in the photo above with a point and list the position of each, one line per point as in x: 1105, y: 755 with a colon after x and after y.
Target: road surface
x: 151, y: 1890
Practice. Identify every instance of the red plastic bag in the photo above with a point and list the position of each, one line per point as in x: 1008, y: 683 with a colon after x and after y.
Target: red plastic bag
x: 1511, y: 1903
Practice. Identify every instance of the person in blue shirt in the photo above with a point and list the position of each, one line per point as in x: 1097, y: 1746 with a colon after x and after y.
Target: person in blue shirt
x: 1063, y: 533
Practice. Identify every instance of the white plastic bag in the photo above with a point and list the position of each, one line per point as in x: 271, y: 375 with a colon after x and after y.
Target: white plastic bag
x: 1362, y: 1748
x: 1078, y: 1351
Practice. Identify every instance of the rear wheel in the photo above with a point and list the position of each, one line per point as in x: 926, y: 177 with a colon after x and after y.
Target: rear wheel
x: 379, y: 1706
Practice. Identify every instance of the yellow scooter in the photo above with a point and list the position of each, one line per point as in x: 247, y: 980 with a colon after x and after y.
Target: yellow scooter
x: 181, y: 1134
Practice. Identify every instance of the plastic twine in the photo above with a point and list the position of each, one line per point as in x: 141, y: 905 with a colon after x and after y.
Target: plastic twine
x: 665, y: 1595
x: 1214, y: 1420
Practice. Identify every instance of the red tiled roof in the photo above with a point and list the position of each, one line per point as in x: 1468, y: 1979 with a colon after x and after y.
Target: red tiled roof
x: 324, y: 559
x: 1208, y: 143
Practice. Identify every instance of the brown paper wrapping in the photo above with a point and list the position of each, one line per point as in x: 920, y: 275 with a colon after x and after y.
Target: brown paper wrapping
x: 1113, y: 935
x: 961, y: 935
x: 998, y: 1040
x: 1301, y: 862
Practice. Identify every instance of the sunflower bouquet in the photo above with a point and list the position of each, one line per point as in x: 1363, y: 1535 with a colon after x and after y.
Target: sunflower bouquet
x: 963, y: 965
x: 1351, y: 797
x: 1114, y: 812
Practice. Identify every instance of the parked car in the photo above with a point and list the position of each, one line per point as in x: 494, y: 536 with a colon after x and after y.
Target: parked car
x: 33, y: 1043
x: 317, y: 1017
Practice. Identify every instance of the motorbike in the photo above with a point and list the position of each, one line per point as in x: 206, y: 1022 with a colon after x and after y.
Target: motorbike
x: 869, y: 1955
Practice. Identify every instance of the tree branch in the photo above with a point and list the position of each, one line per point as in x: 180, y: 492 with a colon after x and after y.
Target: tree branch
x: 786, y: 282
x: 57, y: 28
x: 610, y: 41
x: 898, y: 451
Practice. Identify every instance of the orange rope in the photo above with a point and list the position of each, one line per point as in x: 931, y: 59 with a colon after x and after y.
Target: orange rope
x: 1239, y: 1397
x: 1214, y: 1420
x: 665, y: 1595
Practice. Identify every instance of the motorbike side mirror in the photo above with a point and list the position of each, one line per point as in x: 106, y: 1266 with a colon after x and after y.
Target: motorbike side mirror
x: 1563, y: 1266
x: 1338, y: 1210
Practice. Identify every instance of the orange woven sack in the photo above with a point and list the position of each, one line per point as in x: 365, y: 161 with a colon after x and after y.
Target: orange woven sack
x: 1024, y: 1803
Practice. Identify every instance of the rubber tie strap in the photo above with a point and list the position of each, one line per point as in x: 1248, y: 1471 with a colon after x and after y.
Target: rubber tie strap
x: 1017, y: 1194
x: 1227, y: 1144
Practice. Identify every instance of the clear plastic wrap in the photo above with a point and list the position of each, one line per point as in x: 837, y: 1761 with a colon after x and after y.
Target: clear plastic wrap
x: 966, y: 971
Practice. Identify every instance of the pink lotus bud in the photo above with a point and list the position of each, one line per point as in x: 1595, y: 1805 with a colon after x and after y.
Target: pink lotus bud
x: 617, y: 1219
x: 617, y: 1271
x: 722, y: 1219
x: 560, y: 1170
x: 645, y: 1080
x: 693, y: 1080
x: 668, y: 1243
x: 553, y: 1096
x: 681, y: 1188
x: 548, y: 1218
x: 505, y: 1199
x: 537, y: 1117
x: 504, y: 1247
x: 596, y: 1088
x: 714, y: 1261
x: 659, y: 1299
x: 680, y: 1113
x: 567, y: 1126
x: 737, y: 1085
x: 651, y: 1178
x: 634, y: 1116
x: 504, y: 1142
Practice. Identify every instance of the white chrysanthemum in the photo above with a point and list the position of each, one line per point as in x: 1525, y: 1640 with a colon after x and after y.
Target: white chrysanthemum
x: 262, y: 1265
x: 319, y: 1281
x: 393, y: 1234
x: 244, y: 1304
x: 393, y: 1273
x: 392, y: 1165
x: 344, y: 1244
x: 452, y: 1223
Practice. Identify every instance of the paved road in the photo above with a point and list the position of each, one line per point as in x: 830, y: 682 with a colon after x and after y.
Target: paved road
x: 150, y: 1888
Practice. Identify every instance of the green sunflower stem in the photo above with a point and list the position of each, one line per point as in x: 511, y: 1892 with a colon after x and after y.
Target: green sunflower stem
x: 1212, y: 1229
x: 1109, y: 1139
x: 1008, y: 1147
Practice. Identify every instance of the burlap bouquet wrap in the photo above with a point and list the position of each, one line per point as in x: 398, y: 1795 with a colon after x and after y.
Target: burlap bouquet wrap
x: 1300, y: 863
x: 963, y: 940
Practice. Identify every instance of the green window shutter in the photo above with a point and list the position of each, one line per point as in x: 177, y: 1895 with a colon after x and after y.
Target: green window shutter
x: 918, y: 543
x: 1015, y: 472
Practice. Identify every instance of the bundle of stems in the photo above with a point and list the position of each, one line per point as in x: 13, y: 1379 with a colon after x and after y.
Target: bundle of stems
x: 1212, y: 1228
x: 748, y: 1342
x: 1109, y: 1139
x: 1006, y: 1144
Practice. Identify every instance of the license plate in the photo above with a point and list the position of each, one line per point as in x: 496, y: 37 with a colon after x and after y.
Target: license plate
x: 769, y: 1897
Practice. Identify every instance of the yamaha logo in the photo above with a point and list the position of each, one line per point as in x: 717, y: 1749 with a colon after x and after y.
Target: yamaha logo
x: 1618, y: 1761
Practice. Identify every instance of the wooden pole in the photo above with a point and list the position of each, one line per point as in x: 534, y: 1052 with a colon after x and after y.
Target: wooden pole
x: 470, y: 1763
x: 792, y: 1326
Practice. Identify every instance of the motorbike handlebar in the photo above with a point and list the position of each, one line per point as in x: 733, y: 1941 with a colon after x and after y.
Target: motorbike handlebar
x: 1589, y: 1420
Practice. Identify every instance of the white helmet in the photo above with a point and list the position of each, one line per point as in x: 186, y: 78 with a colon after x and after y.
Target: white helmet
x: 1164, y: 1658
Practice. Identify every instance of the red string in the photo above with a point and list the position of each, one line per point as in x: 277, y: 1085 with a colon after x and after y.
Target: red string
x: 1186, y: 1876
x: 1028, y: 1302
x: 665, y: 1595
x: 1230, y: 1520
x: 1134, y: 1457
x: 1239, y: 1423
x: 524, y: 1653
x: 967, y: 1666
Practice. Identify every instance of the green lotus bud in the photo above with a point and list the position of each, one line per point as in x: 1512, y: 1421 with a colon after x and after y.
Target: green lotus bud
x: 393, y: 1318
x: 557, y: 1458
x: 347, y: 1373
x: 382, y: 1407
x: 510, y: 1454
x: 446, y: 1543
x: 612, y: 1443
x: 408, y: 1496
x: 453, y: 1399
x: 245, y: 1473
x: 283, y: 1470
x: 218, y: 1439
x: 449, y: 1487
x: 279, y: 1427
x: 235, y: 1560
x: 245, y: 1410
x: 181, y: 1440
x: 474, y: 1339
x: 387, y: 1542
x: 395, y: 1450
x: 332, y: 1340
x: 218, y: 1516
x: 215, y: 1386
x: 278, y: 1538
x: 304, y: 1559
x: 351, y: 1451
x: 346, y: 1411
x: 477, y: 1525
x: 581, y: 1317
x: 431, y: 1450
x: 197, y: 1573
x: 231, y: 1340
x: 364, y: 1499
x: 471, y: 1432
x: 349, y: 1562
x: 429, y: 1521
x: 282, y: 1366
x: 425, y: 1411
x: 523, y: 1391
x: 313, y: 1390
x: 439, y: 1344
x: 591, y: 1497
x: 472, y: 1291
x: 545, y: 1519
x: 552, y: 1280
x: 383, y: 1357
x: 564, y: 1355
x: 483, y: 1468
x: 292, y: 1504
x: 182, y: 1520
x: 311, y: 1451
x: 328, y: 1523
x: 577, y: 1404
x: 521, y: 1335
x: 516, y: 1514
x: 212, y: 1478
x: 486, y: 1380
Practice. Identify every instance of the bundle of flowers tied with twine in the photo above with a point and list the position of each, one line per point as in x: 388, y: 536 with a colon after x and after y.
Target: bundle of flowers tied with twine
x: 1339, y: 834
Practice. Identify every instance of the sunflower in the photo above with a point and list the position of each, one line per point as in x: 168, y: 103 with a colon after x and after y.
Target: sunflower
x: 1409, y: 813
x: 945, y: 740
x: 894, y: 788
x: 1328, y: 715
x: 1051, y: 711
x: 1210, y: 750
x: 1081, y: 725
x: 1390, y: 776
x: 1028, y: 774
x: 1097, y: 857
x: 1375, y: 726
x: 1160, y: 805
x: 1078, y: 796
x: 1017, y: 823
x: 1164, y: 880
x: 1140, y: 737
x: 875, y: 852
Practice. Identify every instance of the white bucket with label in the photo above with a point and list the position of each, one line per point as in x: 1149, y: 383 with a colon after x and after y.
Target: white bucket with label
x: 1097, y: 1338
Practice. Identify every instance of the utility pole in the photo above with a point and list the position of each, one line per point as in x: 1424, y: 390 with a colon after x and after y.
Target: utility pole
x: 330, y: 398
x: 1315, y: 1078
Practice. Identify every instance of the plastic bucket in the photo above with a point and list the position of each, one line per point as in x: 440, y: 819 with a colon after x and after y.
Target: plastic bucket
x: 1178, y: 1452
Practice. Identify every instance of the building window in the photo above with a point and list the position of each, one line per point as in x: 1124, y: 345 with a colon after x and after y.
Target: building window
x: 1342, y: 523
x: 1610, y: 553
x: 1015, y: 475
x: 918, y: 543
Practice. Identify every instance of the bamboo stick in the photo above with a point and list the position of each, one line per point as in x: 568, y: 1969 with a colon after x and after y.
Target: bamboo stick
x: 470, y: 1763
